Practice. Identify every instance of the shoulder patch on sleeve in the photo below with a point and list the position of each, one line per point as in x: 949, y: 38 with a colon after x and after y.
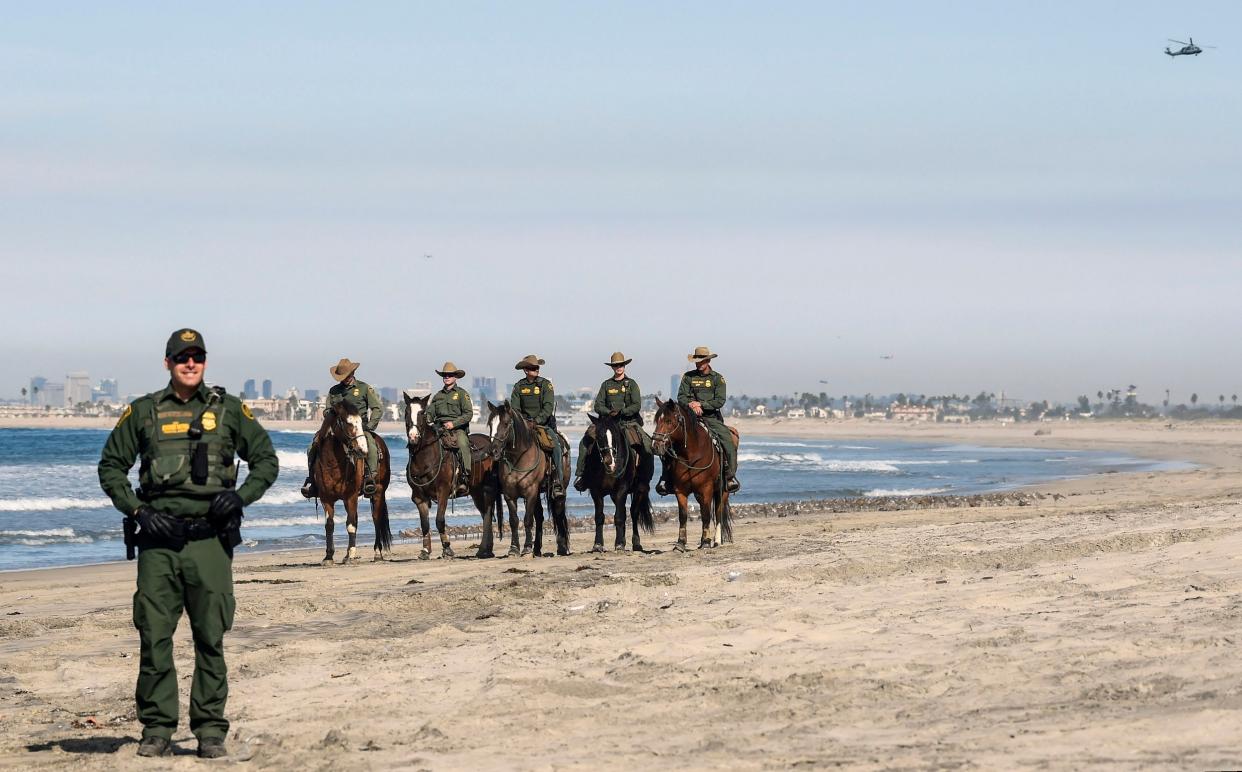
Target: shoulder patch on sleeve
x: 246, y: 411
x: 129, y: 410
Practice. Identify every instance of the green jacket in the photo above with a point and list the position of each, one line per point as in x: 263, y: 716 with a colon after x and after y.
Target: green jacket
x: 623, y: 397
x: 363, y: 398
x: 452, y: 405
x: 227, y: 424
x: 708, y: 390
x: 534, y: 399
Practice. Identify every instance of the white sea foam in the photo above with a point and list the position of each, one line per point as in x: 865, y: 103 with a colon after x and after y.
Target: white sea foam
x: 277, y: 522
x: 904, y: 491
x: 62, y: 532
x: 291, y: 459
x: 815, y: 460
x: 856, y: 447
x: 51, y: 503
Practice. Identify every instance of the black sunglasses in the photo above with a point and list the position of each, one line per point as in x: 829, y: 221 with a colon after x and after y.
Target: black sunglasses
x: 186, y: 356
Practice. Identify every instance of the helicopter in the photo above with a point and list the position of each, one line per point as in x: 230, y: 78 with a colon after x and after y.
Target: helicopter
x: 1187, y: 48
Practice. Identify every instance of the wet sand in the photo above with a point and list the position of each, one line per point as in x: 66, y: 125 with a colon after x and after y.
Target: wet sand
x: 1089, y: 623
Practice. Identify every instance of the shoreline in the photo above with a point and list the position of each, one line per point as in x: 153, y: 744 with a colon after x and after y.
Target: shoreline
x: 974, y: 636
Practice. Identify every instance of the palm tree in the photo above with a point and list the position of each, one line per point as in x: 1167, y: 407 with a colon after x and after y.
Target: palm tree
x: 1222, y: 401
x: 1194, y: 399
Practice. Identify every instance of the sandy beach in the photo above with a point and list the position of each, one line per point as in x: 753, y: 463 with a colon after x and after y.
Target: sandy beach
x: 1094, y: 626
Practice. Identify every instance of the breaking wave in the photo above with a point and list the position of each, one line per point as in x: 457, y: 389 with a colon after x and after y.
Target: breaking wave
x: 52, y: 503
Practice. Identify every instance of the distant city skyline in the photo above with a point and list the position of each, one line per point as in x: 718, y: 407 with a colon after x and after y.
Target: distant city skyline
x: 1027, y: 197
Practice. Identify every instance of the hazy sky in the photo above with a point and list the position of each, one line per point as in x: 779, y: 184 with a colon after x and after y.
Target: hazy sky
x: 1026, y: 196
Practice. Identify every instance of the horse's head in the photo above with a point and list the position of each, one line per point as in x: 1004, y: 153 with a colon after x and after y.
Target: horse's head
x: 499, y: 426
x: 347, y: 425
x: 670, y: 419
x: 416, y: 425
x: 609, y: 441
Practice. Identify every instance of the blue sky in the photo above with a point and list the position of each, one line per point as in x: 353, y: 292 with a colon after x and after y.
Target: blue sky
x: 1017, y: 196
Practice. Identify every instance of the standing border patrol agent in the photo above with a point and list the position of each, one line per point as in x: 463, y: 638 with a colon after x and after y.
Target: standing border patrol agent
x: 620, y: 398
x: 703, y: 391
x: 450, y: 410
x: 185, y: 521
x: 534, y: 398
x: 370, y: 409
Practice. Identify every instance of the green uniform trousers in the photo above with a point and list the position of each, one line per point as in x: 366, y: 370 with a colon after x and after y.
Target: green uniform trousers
x: 198, y: 579
x: 463, y: 449
x: 372, y: 455
x: 717, y: 427
x: 587, y: 443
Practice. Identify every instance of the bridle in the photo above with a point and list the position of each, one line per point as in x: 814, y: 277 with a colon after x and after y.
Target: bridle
x: 425, y: 438
x: 666, y: 438
x: 605, y: 451
x: 501, y: 445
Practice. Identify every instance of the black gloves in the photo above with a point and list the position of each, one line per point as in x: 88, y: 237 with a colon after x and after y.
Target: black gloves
x: 226, y: 506
x: 156, y: 525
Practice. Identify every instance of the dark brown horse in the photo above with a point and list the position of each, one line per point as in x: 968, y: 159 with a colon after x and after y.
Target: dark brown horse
x: 617, y: 470
x: 695, y: 467
x: 522, y: 467
x: 339, y: 468
x: 432, y: 475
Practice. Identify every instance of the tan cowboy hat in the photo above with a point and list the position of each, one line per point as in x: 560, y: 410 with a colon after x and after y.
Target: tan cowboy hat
x: 700, y: 353
x: 343, y: 369
x: 451, y: 369
x: 530, y: 360
x: 618, y: 360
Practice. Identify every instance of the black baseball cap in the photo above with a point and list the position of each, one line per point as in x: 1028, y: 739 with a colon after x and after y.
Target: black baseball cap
x: 182, y: 340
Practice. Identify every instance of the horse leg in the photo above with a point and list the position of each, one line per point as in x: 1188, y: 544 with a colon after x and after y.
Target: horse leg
x: 514, y: 547
x: 618, y: 519
x: 538, y: 524
x: 328, y: 526
x: 483, y: 503
x: 682, y: 514
x: 424, y: 523
x: 598, y: 499
x: 705, y: 515
x: 446, y: 550
x: 561, y: 522
x: 528, y: 522
x: 351, y: 527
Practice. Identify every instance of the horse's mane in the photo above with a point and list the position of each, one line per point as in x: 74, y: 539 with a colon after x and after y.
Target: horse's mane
x: 680, y: 408
x: 521, y: 431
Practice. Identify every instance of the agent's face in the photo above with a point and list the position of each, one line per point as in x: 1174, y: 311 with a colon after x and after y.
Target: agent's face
x: 450, y: 381
x: 704, y: 366
x: 618, y: 371
x: 187, y: 368
x: 531, y: 372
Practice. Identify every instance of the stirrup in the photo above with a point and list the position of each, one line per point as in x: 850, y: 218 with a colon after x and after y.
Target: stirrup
x: 580, y: 484
x: 662, y: 487
x: 308, y: 488
x: 368, y: 486
x: 733, y: 486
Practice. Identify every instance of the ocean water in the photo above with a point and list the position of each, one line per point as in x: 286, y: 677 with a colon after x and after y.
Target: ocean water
x: 52, y: 512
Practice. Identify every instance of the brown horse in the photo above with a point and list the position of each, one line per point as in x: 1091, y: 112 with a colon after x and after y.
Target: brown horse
x: 432, y: 475
x: 694, y: 467
x: 522, y: 467
x: 616, y: 469
x: 338, y: 472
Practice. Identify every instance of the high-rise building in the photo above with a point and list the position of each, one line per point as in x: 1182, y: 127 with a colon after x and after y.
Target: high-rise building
x: 674, y: 383
x: 52, y: 395
x: 267, y: 388
x: 35, y: 391
x: 106, y: 391
x: 77, y: 388
x: 311, y: 394
x: 483, y: 389
x: 248, y: 391
x: 390, y: 393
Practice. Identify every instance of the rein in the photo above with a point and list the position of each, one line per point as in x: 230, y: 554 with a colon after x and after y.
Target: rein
x: 510, y: 441
x: 409, y: 469
x: 667, y: 438
x: 624, y: 451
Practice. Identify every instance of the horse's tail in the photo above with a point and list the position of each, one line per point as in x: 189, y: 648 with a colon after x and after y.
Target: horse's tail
x: 641, y: 511
x: 720, y: 503
x: 383, y: 531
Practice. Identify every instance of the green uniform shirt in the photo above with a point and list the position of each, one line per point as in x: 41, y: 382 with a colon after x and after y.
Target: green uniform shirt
x: 534, y: 399
x: 363, y: 398
x: 450, y: 405
x: 708, y: 390
x: 134, y: 436
x: 621, y: 396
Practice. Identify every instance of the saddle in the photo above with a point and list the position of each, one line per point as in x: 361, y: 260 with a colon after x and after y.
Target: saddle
x: 478, y: 445
x: 543, y: 438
